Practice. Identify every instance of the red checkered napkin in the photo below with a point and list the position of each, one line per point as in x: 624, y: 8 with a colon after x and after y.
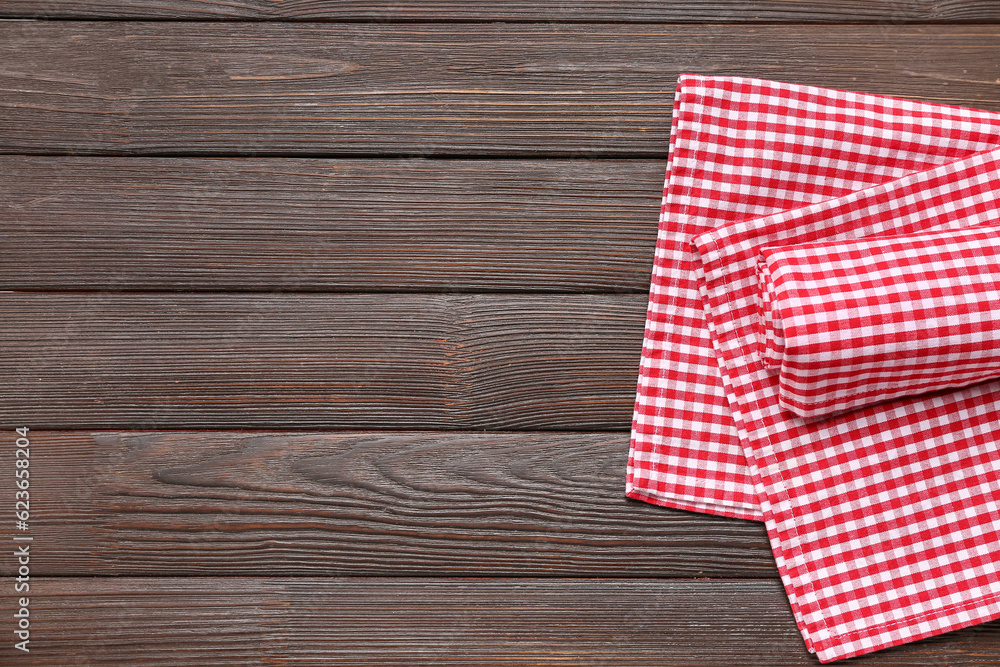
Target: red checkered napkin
x: 849, y: 323
x: 883, y: 520
x: 741, y: 149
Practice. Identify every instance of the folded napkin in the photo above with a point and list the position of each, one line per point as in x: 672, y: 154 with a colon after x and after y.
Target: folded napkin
x: 740, y: 149
x: 849, y: 323
x: 882, y: 519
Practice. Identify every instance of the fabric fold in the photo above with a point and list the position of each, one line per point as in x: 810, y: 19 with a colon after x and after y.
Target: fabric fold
x: 851, y: 323
x: 883, y: 520
x: 740, y: 149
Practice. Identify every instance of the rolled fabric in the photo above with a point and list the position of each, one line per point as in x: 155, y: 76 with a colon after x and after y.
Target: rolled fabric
x: 851, y: 323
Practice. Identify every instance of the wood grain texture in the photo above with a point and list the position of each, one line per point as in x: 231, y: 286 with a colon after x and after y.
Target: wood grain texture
x: 232, y: 546
x: 539, y: 90
x: 895, y: 11
x: 361, y: 504
x: 153, y: 360
x: 344, y: 225
x: 330, y: 621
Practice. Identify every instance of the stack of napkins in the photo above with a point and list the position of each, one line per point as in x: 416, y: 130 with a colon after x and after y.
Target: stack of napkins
x: 821, y: 350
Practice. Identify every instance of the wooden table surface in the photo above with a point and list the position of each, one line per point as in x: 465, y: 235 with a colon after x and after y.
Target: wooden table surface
x: 325, y: 318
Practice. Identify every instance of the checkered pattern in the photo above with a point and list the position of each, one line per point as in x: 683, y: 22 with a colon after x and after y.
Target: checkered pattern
x: 883, y: 519
x: 849, y: 323
x: 741, y: 149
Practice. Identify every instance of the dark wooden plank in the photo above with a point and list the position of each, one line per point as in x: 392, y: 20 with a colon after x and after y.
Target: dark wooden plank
x: 894, y: 11
x: 154, y: 621
x: 361, y: 504
x: 346, y: 225
x: 542, y: 90
x: 152, y: 360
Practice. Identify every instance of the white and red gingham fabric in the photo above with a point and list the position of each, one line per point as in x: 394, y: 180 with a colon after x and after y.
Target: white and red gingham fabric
x: 850, y: 323
x: 740, y: 149
x: 883, y: 520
